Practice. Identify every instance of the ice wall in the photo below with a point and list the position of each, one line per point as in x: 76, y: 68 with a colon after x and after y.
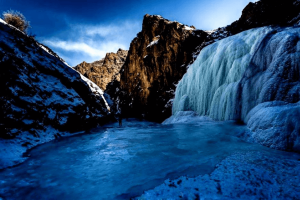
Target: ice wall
x: 233, y: 75
x: 253, y: 77
x: 276, y: 124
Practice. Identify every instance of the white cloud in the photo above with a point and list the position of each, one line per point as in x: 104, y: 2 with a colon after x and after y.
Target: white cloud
x: 90, y: 43
x: 85, y: 48
x: 110, y: 30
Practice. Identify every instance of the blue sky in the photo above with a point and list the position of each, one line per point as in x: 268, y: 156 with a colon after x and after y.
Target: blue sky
x: 85, y: 30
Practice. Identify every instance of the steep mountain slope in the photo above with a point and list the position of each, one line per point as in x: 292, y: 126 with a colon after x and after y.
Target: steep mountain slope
x: 41, y: 97
x: 104, y: 71
x: 159, y: 55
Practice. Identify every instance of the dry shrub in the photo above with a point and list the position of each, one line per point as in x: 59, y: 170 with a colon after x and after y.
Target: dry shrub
x: 16, y: 19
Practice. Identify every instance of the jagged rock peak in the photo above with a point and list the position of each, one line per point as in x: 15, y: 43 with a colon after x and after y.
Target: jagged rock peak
x: 153, y: 22
x: 152, y: 19
x: 121, y: 51
x: 155, y: 63
x: 105, y: 70
x: 84, y: 66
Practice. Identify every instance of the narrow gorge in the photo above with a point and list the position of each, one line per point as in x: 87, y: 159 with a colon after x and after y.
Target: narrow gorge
x: 184, y: 113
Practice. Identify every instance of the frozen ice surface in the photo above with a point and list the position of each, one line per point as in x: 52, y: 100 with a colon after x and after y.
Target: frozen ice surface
x: 120, y: 163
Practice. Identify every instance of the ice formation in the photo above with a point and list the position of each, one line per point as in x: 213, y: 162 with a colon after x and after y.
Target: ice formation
x: 186, y: 117
x: 211, y: 83
x: 276, y: 124
x: 232, y: 76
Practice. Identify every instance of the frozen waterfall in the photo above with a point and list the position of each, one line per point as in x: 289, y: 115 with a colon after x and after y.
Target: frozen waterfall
x: 233, y: 75
x: 254, y: 77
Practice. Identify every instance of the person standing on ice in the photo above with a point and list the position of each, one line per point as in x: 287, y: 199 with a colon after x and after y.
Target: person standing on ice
x: 120, y: 118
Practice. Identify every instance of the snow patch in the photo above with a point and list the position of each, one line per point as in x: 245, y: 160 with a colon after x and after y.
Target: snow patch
x: 188, y: 28
x: 2, y: 21
x: 152, y: 43
x: 95, y: 89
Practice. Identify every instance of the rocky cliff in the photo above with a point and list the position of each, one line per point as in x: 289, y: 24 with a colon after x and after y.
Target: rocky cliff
x: 267, y: 12
x: 158, y: 57
x: 156, y: 61
x: 105, y: 70
x: 41, y: 97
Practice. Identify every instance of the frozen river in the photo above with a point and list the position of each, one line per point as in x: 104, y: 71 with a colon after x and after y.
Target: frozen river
x: 120, y: 163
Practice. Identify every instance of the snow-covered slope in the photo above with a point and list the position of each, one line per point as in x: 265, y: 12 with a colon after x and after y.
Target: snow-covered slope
x: 41, y: 97
x: 232, y: 76
x: 249, y: 175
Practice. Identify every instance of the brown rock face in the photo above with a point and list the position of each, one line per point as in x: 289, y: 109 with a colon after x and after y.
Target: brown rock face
x: 156, y: 61
x: 83, y: 67
x: 104, y: 71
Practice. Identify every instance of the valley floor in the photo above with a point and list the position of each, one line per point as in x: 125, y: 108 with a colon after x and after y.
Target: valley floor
x: 195, y: 158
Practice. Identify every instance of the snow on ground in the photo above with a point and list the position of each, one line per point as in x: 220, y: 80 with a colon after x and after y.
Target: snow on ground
x: 2, y: 21
x: 249, y: 175
x: 95, y: 89
x: 11, y: 26
x: 13, y: 151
